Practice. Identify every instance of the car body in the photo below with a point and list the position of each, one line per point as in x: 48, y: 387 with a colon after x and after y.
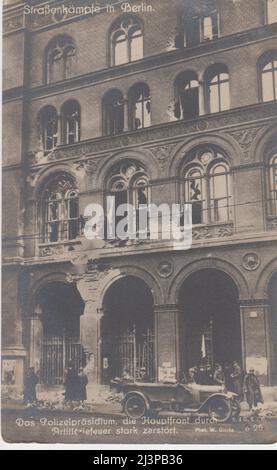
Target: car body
x: 142, y: 399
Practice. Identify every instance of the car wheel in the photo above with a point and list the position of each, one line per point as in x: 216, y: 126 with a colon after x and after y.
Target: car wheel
x: 135, y: 407
x: 220, y: 409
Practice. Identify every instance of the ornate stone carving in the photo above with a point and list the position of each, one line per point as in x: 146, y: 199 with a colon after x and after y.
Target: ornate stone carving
x: 272, y: 225
x: 11, y: 24
x: 210, y: 231
x: 162, y: 154
x: 245, y: 137
x: 251, y: 261
x: 165, y: 269
x: 178, y: 130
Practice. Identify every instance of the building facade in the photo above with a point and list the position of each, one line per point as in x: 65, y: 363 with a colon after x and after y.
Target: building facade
x: 169, y: 101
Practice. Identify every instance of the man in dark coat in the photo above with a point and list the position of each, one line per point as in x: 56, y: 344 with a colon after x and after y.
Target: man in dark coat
x: 83, y: 381
x: 252, y: 389
x: 31, y: 381
x: 237, y: 380
x: 219, y: 378
x: 71, y: 384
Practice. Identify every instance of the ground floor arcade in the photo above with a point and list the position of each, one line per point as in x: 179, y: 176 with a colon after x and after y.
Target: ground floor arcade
x: 126, y: 322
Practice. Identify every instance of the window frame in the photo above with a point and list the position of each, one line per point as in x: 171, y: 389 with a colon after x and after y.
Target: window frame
x: 128, y: 32
x: 64, y: 223
x: 144, y: 91
x: 272, y: 185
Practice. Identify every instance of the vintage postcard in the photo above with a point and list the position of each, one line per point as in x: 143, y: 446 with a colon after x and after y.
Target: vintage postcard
x: 139, y: 301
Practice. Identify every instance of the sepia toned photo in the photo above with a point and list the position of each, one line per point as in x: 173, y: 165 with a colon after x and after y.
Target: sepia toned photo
x: 139, y: 202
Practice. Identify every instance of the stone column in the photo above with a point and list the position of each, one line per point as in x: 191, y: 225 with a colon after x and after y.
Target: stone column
x: 255, y: 317
x: 167, y: 342
x: 202, y: 104
x: 60, y: 130
x: 36, y: 336
x: 126, y: 115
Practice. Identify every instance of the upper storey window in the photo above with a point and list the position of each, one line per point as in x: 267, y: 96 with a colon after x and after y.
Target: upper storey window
x: 218, y: 89
x: 49, y: 128
x: 140, y: 107
x: 126, y: 40
x: 113, y: 113
x: 187, y: 96
x: 200, y: 23
x: 271, y: 11
x: 60, y: 58
x: 268, y: 70
x: 273, y: 185
x: 71, y: 122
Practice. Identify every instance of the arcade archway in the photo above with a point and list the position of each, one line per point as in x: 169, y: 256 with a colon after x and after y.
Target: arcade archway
x: 210, y: 327
x: 127, y: 331
x: 60, y: 307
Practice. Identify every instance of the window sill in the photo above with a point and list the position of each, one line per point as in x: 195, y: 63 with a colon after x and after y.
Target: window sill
x: 61, y: 247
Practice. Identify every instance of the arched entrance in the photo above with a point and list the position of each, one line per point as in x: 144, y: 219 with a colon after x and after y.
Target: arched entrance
x: 60, y: 306
x: 210, y: 328
x: 127, y: 331
x: 272, y: 292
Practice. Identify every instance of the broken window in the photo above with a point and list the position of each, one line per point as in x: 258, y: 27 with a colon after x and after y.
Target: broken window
x: 269, y: 79
x: 49, y: 128
x: 187, y: 102
x: 194, y: 194
x: 113, y: 110
x: 71, y: 122
x: 200, y: 23
x: 207, y: 186
x: 61, y: 210
x: 140, y: 107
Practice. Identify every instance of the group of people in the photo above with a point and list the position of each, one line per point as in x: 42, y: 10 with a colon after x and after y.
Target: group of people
x: 75, y: 385
x: 231, y: 377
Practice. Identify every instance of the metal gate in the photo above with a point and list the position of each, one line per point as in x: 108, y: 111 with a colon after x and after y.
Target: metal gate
x: 135, y: 354
x: 56, y: 354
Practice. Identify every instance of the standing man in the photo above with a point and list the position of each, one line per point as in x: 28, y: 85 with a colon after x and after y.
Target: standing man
x: 219, y: 378
x: 71, y: 383
x: 252, y: 389
x: 237, y: 380
x: 83, y: 381
x: 31, y: 381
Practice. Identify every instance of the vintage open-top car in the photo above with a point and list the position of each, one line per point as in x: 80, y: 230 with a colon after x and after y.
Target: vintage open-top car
x: 142, y: 399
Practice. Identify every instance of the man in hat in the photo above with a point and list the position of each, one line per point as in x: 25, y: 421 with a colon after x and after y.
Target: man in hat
x: 252, y: 389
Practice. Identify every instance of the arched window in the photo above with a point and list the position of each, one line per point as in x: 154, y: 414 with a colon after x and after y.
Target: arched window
x: 60, y: 210
x: 60, y: 58
x: 271, y: 11
x: 71, y: 120
x: 129, y: 184
x: 218, y: 89
x: 220, y: 194
x: 140, y: 106
x: 273, y: 186
x: 187, y: 96
x: 268, y: 69
x: 207, y: 186
x: 49, y: 128
x: 194, y: 193
x: 113, y: 113
x: 126, y: 40
x: 200, y: 23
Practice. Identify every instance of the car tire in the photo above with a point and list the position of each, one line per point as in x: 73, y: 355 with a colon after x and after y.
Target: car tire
x: 135, y: 407
x: 220, y: 409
